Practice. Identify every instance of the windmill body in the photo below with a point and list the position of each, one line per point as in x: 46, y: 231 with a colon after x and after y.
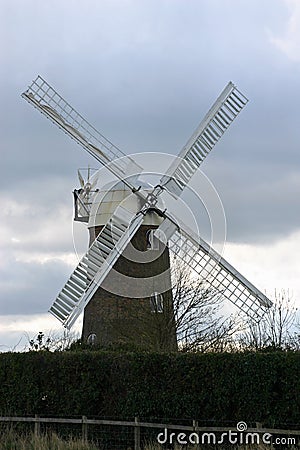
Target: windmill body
x: 117, y: 319
x: 130, y: 219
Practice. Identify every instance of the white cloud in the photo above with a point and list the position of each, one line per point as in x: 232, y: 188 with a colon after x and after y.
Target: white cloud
x: 289, y: 42
x: 17, y: 330
x: 269, y: 266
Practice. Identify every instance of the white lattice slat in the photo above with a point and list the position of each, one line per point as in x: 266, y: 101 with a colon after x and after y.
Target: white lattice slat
x: 215, y: 271
x: 43, y: 97
x: 95, y: 266
x: 223, y: 112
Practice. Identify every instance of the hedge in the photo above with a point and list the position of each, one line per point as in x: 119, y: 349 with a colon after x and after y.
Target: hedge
x: 215, y: 388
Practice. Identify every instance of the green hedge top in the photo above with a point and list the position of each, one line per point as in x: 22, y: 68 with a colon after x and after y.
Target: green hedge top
x: 221, y: 387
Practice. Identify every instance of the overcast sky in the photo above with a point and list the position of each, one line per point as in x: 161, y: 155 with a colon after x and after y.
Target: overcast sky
x: 144, y: 72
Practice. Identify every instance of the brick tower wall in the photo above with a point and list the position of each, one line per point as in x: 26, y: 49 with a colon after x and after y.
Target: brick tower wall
x: 116, y: 319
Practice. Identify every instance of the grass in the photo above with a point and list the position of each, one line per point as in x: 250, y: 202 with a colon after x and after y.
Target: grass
x: 12, y: 441
x: 243, y: 447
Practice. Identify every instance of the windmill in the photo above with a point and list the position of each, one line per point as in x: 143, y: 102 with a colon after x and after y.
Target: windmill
x: 138, y: 219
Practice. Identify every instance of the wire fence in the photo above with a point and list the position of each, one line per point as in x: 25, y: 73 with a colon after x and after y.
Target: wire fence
x: 139, y: 435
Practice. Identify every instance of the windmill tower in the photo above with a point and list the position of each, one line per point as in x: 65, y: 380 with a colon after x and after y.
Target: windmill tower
x: 130, y: 217
x: 148, y: 320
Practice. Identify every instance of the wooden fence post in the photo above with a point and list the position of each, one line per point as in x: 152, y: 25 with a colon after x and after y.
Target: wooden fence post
x: 84, y: 430
x: 196, y: 430
x: 37, y: 426
x: 137, y: 435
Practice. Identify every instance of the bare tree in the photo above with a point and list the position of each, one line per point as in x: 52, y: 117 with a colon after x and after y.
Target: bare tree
x: 276, y: 330
x: 51, y: 342
x: 187, y: 318
x: 200, y: 325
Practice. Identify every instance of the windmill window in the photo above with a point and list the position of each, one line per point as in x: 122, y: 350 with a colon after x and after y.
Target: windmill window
x: 92, y: 339
x: 157, y: 303
x: 152, y: 241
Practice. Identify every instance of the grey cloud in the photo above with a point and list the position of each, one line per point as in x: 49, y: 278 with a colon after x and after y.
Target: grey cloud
x: 28, y: 288
x: 40, y: 229
x: 144, y: 73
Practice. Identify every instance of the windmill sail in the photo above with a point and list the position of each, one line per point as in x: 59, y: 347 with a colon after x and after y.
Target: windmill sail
x: 110, y: 243
x: 215, y: 271
x: 223, y: 112
x: 95, y: 266
x: 43, y: 97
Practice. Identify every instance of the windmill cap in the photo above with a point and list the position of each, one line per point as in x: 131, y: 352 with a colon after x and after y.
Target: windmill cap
x: 112, y: 195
